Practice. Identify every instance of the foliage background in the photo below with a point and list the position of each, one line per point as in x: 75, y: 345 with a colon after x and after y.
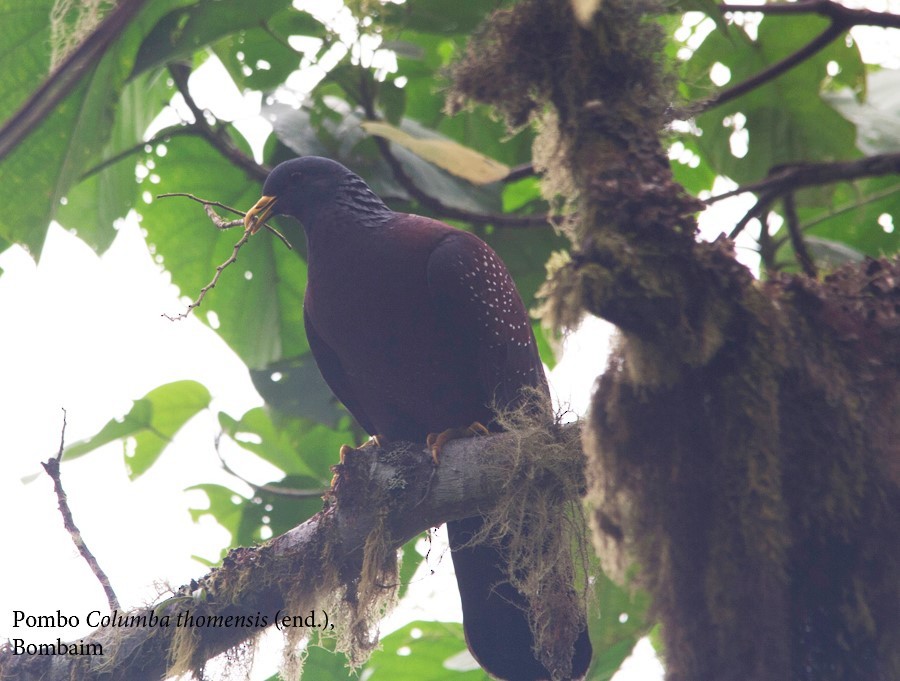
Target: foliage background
x: 135, y: 126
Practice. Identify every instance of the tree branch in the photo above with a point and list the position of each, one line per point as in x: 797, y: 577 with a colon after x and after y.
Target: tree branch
x: 51, y: 466
x: 793, y: 227
x: 402, y: 495
x: 66, y: 76
x: 789, y: 178
x: 216, y: 136
x: 827, y: 8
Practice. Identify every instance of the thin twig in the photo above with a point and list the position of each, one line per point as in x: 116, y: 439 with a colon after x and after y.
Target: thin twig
x: 223, y: 224
x: 205, y: 202
x: 219, y: 221
x: 793, y: 226
x: 215, y: 280
x: 51, y: 466
x: 761, y: 206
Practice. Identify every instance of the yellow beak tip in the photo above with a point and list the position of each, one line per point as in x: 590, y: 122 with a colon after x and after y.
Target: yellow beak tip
x: 259, y: 213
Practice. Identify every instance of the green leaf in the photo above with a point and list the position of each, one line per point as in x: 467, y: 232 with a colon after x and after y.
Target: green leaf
x: 93, y: 205
x: 39, y: 172
x: 225, y: 506
x: 437, y: 16
x: 256, y: 301
x: 256, y: 432
x: 152, y: 423
x: 24, y: 52
x: 392, y: 100
x: 832, y: 253
x: 294, y: 386
x: 786, y: 119
x: 333, y: 129
x: 296, y: 446
x: 420, y: 651
x: 184, y: 31
x: 616, y: 625
x: 851, y: 216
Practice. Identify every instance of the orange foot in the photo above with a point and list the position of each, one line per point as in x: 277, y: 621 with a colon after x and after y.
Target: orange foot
x: 374, y: 441
x: 436, y: 441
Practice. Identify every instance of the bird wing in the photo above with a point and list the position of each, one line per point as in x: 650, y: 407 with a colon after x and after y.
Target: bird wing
x: 473, y: 293
x: 333, y: 372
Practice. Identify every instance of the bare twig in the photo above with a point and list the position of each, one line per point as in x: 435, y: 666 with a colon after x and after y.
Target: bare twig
x: 760, y: 207
x: 793, y: 227
x: 51, y: 466
x: 215, y: 280
x: 219, y: 221
x: 66, y: 76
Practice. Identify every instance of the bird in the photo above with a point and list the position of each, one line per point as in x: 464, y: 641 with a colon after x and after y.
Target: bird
x: 418, y: 329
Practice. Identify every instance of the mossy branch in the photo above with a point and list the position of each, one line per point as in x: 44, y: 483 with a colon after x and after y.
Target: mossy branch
x: 382, y: 498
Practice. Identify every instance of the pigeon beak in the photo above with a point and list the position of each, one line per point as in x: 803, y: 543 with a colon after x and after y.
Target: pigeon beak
x: 261, y: 211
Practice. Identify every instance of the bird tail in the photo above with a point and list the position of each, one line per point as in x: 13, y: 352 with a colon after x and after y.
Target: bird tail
x: 495, y: 613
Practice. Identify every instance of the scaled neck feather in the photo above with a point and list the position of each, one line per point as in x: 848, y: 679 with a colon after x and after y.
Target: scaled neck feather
x: 355, y: 196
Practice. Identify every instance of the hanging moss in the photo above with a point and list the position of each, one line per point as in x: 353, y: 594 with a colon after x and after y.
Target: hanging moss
x: 744, y: 442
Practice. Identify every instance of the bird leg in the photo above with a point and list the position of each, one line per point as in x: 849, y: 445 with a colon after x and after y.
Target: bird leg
x: 373, y: 441
x: 436, y: 441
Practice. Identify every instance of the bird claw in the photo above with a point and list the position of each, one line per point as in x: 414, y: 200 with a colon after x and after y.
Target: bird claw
x: 436, y: 441
x: 373, y: 441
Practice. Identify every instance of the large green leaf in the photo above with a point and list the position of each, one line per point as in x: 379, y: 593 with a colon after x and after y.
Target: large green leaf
x: 851, y: 218
x: 180, y: 33
x: 436, y: 16
x: 40, y: 171
x: 421, y: 651
x: 786, y: 118
x: 93, y: 205
x: 294, y: 386
x: 24, y: 50
x: 151, y: 423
